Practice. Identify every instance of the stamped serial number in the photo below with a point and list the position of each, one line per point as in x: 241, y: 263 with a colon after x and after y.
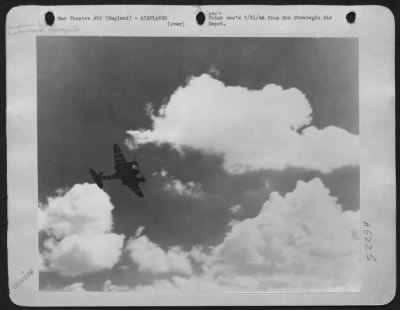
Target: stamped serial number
x: 368, y: 239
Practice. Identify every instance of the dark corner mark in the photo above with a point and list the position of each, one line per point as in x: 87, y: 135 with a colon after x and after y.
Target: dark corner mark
x: 351, y: 17
x: 200, y: 18
x: 49, y: 18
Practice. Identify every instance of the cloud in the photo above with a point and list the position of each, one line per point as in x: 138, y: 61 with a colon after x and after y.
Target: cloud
x: 83, y: 253
x: 108, y: 286
x: 83, y: 209
x: 214, y: 71
x: 150, y: 257
x: 236, y: 208
x: 179, y: 284
x: 78, y: 225
x: 253, y: 129
x: 75, y: 287
x: 139, y: 231
x: 302, y: 241
x: 162, y: 173
x: 190, y: 189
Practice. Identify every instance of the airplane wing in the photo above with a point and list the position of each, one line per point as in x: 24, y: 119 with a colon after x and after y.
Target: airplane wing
x: 119, y: 158
x: 136, y: 189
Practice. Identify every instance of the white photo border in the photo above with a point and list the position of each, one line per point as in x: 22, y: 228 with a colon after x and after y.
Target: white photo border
x: 374, y: 28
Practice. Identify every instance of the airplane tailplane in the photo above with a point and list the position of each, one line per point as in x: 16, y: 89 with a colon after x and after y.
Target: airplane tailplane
x: 97, y: 177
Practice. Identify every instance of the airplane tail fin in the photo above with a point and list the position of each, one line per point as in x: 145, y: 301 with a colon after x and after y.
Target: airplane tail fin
x: 97, y: 177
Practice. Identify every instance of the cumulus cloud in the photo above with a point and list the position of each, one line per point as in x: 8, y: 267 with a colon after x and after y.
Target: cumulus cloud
x: 190, y: 189
x: 301, y: 241
x: 75, y: 287
x: 82, y: 253
x: 179, y: 284
x: 84, y: 208
x: 150, y: 257
x: 253, y: 129
x: 78, y: 224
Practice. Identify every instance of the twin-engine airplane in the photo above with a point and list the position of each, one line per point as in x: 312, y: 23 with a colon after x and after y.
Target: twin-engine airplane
x: 128, y: 172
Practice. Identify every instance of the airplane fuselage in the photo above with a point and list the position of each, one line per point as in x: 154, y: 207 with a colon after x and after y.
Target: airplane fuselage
x: 128, y: 172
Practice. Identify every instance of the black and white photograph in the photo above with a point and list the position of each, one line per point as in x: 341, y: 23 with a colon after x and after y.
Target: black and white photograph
x: 198, y: 164
x: 155, y: 160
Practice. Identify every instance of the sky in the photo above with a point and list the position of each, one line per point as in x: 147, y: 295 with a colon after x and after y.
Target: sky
x: 251, y: 151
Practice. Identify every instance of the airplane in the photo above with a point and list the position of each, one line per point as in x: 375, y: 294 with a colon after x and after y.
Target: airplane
x: 128, y: 172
